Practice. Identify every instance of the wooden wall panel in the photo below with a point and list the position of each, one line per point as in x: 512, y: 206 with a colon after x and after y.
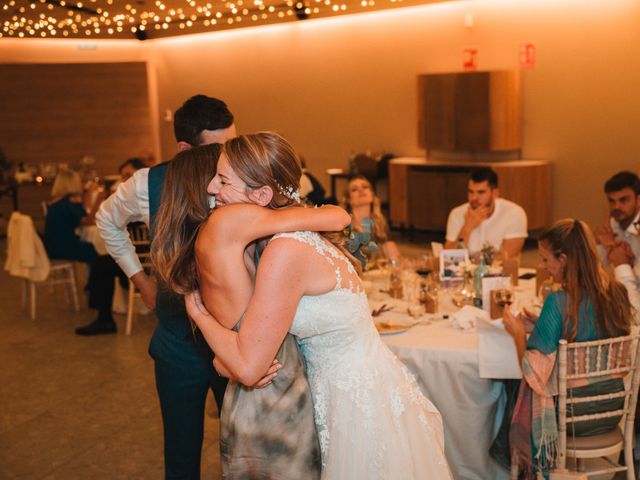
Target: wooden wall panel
x: 61, y: 112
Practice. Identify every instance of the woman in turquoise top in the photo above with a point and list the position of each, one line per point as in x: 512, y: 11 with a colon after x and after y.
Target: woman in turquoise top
x: 369, y: 231
x: 590, y: 306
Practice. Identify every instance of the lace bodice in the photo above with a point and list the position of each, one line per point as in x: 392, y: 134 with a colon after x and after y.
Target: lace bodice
x: 354, y: 377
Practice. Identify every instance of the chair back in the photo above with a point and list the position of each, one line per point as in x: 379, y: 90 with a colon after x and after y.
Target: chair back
x: 590, y: 361
x: 367, y: 167
x: 139, y: 233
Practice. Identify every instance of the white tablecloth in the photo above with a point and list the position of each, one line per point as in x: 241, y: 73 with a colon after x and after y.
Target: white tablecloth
x: 445, y: 364
x: 444, y: 361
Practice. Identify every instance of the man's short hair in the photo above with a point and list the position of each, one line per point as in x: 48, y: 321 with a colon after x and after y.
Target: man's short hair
x: 484, y: 174
x: 135, y: 162
x: 622, y: 180
x: 197, y: 114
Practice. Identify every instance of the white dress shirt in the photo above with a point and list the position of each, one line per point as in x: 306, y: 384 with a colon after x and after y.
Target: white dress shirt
x: 631, y: 237
x: 130, y: 203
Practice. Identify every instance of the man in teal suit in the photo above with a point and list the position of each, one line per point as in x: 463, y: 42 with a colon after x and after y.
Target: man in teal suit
x: 183, y: 360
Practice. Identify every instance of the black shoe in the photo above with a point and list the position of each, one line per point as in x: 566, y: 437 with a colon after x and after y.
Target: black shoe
x: 97, y: 327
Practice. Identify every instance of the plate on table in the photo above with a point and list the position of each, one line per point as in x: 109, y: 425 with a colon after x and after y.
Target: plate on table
x: 386, y: 328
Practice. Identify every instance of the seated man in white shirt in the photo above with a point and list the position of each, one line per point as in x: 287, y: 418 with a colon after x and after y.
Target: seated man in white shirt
x: 487, y: 219
x: 619, y: 239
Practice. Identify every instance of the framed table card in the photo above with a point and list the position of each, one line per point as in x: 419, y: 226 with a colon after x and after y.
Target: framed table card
x: 453, y: 263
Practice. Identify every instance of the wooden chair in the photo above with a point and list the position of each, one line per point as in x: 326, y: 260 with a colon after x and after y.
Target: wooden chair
x: 589, y: 360
x: 139, y: 234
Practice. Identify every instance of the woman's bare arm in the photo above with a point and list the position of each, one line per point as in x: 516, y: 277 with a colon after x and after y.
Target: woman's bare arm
x: 282, y: 279
x: 265, y: 381
x: 246, y: 222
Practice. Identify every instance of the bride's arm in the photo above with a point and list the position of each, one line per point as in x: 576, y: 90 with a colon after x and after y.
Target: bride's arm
x: 248, y: 222
x: 280, y: 283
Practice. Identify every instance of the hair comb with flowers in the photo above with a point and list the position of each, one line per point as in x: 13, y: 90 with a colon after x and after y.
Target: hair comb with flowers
x: 289, y: 192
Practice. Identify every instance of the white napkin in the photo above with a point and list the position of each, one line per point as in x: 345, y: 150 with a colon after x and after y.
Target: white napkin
x: 467, y: 317
x: 497, y: 356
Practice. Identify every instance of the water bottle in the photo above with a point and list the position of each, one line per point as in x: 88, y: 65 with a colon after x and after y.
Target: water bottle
x: 480, y: 272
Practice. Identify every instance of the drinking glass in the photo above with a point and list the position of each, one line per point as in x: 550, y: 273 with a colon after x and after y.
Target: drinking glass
x: 503, y: 297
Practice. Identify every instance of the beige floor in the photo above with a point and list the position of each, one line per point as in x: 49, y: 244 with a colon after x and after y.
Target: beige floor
x: 79, y: 408
x: 84, y: 408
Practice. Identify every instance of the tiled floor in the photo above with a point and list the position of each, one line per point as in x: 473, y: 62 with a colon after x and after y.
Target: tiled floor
x: 85, y: 408
x: 79, y: 408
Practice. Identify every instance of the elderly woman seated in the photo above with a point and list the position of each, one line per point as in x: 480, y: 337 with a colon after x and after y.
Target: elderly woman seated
x: 590, y: 306
x: 65, y: 214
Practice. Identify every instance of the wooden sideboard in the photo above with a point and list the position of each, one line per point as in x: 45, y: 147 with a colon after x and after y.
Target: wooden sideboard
x: 423, y: 192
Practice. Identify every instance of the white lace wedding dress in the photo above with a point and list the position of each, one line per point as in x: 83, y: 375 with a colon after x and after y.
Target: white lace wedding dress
x: 372, y: 419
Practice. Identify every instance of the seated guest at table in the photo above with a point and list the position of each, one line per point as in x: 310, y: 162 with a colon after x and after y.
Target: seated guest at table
x: 619, y: 240
x: 127, y: 169
x: 64, y: 215
x: 621, y: 257
x: 486, y: 218
x: 590, y: 306
x: 369, y: 229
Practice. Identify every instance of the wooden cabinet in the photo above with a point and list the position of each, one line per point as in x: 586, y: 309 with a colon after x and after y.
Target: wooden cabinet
x: 422, y: 193
x: 470, y: 112
x: 430, y: 193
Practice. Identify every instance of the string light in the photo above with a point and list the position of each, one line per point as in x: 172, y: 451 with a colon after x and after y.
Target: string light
x: 73, y: 18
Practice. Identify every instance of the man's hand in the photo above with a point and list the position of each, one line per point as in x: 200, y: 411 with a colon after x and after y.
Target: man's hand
x: 474, y: 217
x: 620, y: 253
x: 605, y: 236
x: 147, y: 287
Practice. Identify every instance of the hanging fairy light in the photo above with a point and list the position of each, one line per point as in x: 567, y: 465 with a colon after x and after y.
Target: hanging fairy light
x: 161, y: 18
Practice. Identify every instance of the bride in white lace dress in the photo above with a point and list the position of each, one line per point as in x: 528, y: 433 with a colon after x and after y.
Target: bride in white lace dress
x: 373, y: 421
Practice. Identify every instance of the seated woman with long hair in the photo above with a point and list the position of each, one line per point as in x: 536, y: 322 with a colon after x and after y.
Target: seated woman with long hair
x: 590, y: 306
x: 369, y: 230
x: 266, y: 432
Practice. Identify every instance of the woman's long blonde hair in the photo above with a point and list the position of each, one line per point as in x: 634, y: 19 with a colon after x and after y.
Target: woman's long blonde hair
x: 584, y: 278
x: 380, y: 226
x: 184, y: 207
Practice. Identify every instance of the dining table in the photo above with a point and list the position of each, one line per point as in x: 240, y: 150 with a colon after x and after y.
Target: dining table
x: 455, y: 369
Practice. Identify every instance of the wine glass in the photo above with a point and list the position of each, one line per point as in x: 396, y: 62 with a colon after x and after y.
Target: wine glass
x: 424, y: 265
